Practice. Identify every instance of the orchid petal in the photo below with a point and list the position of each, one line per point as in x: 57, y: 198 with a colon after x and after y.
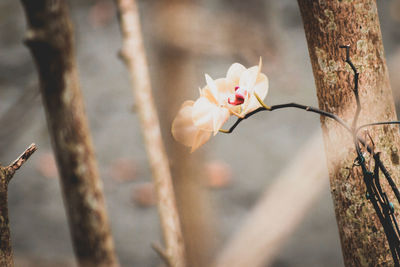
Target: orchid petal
x: 221, y: 115
x: 212, y: 86
x: 261, y: 89
x: 200, y: 138
x: 203, y: 114
x: 259, y: 65
x: 207, y: 116
x: 225, y: 89
x: 206, y: 92
x: 249, y: 77
x: 184, y: 130
x: 234, y: 72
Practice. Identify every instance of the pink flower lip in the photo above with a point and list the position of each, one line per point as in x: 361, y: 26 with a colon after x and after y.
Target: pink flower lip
x: 239, y: 97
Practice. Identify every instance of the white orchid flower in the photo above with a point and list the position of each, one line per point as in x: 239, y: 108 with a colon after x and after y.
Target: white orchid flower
x: 219, y: 99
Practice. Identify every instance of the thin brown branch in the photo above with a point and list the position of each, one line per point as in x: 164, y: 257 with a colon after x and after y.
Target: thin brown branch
x: 133, y: 54
x: 6, y: 174
x: 21, y: 160
x: 50, y: 39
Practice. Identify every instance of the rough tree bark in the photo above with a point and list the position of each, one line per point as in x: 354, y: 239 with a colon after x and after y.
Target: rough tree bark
x: 6, y: 174
x: 50, y: 39
x: 327, y: 25
x: 134, y: 55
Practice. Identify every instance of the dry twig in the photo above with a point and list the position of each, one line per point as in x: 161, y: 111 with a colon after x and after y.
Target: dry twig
x: 133, y: 54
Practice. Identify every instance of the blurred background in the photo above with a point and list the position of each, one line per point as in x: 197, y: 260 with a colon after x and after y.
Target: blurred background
x: 216, y: 186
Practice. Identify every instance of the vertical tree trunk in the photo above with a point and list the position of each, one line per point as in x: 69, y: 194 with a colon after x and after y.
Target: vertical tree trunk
x: 50, y: 39
x: 187, y: 169
x: 327, y: 25
x: 191, y: 197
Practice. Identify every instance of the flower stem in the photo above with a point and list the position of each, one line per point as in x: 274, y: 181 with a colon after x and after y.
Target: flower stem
x: 314, y: 110
x: 289, y: 105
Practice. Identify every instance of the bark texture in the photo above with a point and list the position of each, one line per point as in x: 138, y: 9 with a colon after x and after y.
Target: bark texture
x: 50, y: 38
x: 133, y: 54
x: 327, y: 25
x: 6, y: 254
x: 6, y: 174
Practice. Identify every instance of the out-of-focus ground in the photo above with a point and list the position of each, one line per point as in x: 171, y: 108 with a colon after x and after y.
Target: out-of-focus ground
x: 240, y: 166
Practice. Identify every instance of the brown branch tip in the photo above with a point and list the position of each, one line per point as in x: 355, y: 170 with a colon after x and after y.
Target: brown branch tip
x: 22, y: 158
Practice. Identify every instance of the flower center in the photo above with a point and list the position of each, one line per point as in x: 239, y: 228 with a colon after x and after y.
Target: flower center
x: 239, y: 97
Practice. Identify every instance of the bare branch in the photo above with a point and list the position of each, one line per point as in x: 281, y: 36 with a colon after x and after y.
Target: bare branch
x: 133, y: 54
x: 21, y: 159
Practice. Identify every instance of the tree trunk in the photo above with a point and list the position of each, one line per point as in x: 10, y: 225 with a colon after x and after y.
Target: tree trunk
x: 50, y: 39
x: 192, y: 199
x: 329, y: 24
x: 175, y: 69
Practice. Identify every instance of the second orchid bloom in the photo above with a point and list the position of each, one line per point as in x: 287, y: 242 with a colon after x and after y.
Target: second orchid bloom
x: 198, y: 120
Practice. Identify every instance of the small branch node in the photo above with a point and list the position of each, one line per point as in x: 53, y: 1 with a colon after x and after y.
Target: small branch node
x: 122, y: 56
x: 162, y: 253
x: 33, y: 36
